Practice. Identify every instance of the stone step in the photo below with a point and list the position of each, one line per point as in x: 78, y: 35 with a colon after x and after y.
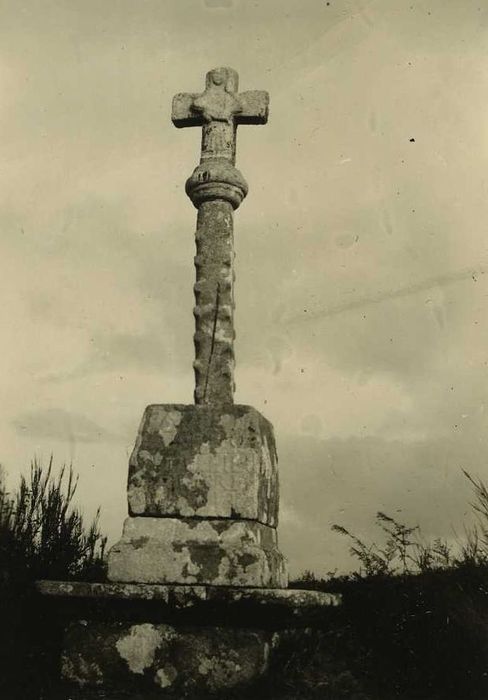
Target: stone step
x: 195, y: 551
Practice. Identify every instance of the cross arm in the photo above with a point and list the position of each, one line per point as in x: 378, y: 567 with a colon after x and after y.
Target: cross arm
x: 182, y: 113
x: 255, y: 107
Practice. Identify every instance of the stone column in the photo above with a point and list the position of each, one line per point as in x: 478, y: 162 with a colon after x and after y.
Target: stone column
x: 214, y: 304
x: 216, y: 188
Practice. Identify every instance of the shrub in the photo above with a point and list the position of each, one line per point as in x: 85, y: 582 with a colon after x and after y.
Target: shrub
x: 42, y: 535
x: 414, y: 623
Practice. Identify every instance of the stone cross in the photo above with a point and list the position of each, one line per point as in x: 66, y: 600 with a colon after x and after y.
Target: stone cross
x: 196, y: 599
x: 216, y: 188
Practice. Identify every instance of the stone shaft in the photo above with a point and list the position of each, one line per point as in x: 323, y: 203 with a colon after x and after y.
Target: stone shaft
x: 214, y: 304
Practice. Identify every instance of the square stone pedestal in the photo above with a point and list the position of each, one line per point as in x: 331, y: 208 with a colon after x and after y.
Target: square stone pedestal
x: 206, y: 462
x: 142, y: 641
x: 203, y: 500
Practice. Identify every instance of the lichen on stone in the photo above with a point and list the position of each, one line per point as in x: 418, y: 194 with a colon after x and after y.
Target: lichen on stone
x: 165, y: 421
x: 203, y: 461
x: 139, y: 646
x: 166, y: 676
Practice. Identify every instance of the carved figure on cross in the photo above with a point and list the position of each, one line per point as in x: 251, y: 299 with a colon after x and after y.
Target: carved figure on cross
x: 219, y: 110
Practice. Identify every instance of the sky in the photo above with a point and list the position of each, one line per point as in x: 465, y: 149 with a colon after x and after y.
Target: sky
x: 362, y: 256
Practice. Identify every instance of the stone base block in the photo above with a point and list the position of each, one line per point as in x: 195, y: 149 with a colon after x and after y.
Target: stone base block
x: 192, y: 551
x: 161, y: 659
x: 204, y: 461
x: 145, y: 642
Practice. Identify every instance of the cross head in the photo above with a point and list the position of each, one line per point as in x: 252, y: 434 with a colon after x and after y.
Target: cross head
x: 219, y: 110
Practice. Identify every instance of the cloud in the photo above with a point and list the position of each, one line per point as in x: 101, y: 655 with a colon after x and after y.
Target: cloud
x: 61, y: 425
x: 119, y: 352
x: 348, y: 481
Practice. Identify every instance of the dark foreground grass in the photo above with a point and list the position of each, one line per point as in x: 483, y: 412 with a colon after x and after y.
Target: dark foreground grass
x: 413, y: 625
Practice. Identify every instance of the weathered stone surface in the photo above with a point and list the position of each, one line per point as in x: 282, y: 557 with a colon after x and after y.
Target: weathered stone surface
x: 142, y: 641
x: 214, y: 302
x: 295, y: 601
x: 161, y: 659
x: 216, y: 188
x: 219, y: 110
x: 204, y: 461
x: 216, y: 179
x: 186, y: 551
